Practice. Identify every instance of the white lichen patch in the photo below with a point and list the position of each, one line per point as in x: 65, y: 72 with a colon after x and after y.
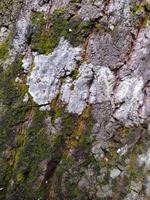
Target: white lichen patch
x: 128, y: 98
x: 44, y: 81
x: 115, y: 173
x: 134, y: 92
x: 93, y: 85
x: 4, y: 33
x: 77, y: 98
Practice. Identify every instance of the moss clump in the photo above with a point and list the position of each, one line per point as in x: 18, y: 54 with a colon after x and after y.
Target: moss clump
x: 4, y: 48
x: 11, y: 96
x: 45, y: 39
x: 13, y: 115
x: 9, y: 93
x: 33, y: 151
x: 142, y: 10
x: 57, y: 109
x: 75, y: 74
x: 76, y: 134
x: 72, y: 87
x: 20, y: 177
x: 79, y: 30
x: 137, y: 8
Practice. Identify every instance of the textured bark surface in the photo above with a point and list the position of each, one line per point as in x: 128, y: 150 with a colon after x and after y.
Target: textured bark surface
x: 74, y: 99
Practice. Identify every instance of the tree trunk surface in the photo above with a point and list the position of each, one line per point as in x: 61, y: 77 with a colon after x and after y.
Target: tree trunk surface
x: 74, y: 99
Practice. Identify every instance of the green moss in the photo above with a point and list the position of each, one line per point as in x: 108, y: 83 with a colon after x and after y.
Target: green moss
x: 70, y: 181
x: 69, y: 124
x: 72, y: 87
x: 45, y: 39
x: 5, y: 173
x: 57, y: 109
x: 20, y: 177
x: 11, y: 96
x: 98, y: 26
x: 38, y: 18
x: 75, y: 1
x: 74, y: 126
x: 142, y: 9
x: 79, y: 30
x: 9, y: 92
x: 71, y: 186
x: 4, y: 48
x: 12, y: 117
x: 34, y: 149
x: 137, y: 8
x: 73, y: 29
x: 75, y: 74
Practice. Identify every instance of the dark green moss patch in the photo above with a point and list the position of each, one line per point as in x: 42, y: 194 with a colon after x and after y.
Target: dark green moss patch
x: 14, y: 110
x: 34, y: 150
x: 142, y: 11
x: 137, y: 8
x: 45, y: 39
x: 73, y: 127
x: 75, y: 74
x: 4, y: 48
x: 12, y: 116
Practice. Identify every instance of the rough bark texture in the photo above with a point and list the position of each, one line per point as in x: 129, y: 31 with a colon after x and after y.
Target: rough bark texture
x: 74, y: 99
